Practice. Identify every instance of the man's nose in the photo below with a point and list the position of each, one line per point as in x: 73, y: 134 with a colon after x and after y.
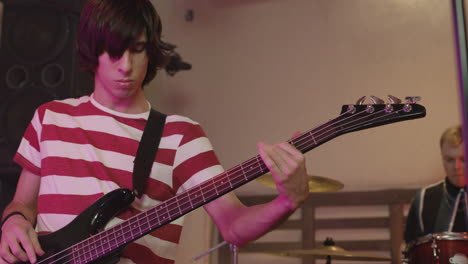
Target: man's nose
x: 125, y: 63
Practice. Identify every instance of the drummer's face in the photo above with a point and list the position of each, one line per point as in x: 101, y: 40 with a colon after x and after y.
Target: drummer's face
x: 453, y: 159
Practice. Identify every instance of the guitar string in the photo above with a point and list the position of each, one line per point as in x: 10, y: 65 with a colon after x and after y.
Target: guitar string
x: 221, y: 177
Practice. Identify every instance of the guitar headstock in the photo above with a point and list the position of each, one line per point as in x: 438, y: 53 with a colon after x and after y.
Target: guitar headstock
x: 362, y: 116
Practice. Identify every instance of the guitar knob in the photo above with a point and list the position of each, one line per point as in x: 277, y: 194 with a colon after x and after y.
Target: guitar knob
x: 388, y: 108
x: 407, y: 108
x: 393, y: 99
x: 376, y: 100
x: 351, y: 109
x: 361, y: 100
x: 412, y: 99
x: 370, y: 109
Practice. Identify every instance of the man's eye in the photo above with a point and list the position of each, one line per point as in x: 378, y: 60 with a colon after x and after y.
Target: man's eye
x: 138, y: 47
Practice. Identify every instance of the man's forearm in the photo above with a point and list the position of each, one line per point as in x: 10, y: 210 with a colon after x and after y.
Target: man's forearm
x: 253, y: 222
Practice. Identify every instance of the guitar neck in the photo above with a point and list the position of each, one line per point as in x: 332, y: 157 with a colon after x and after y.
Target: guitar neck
x: 352, y: 118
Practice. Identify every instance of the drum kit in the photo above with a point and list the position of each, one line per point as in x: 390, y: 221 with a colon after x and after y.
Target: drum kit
x: 329, y: 251
x: 441, y: 248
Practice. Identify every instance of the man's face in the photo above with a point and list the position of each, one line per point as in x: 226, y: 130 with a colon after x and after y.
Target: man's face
x: 453, y: 160
x: 122, y: 77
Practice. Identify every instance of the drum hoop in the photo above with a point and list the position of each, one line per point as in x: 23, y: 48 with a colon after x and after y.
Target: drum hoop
x: 450, y: 236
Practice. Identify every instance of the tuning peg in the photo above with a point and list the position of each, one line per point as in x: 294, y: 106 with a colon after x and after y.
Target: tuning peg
x: 361, y: 100
x: 412, y: 99
x: 393, y: 99
x: 376, y: 100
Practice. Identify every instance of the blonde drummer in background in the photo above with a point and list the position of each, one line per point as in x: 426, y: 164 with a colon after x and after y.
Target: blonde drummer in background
x: 441, y: 207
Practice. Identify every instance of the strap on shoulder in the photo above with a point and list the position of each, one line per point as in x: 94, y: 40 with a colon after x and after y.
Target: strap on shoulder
x: 147, y: 149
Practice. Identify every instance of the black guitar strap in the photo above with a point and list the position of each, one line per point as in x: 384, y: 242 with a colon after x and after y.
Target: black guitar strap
x: 147, y: 149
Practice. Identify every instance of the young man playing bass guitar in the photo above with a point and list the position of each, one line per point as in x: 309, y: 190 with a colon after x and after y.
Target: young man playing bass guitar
x: 76, y: 150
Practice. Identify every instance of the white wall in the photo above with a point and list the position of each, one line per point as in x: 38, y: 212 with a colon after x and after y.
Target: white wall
x: 264, y: 69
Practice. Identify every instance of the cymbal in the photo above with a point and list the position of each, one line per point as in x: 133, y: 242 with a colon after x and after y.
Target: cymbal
x: 316, y: 183
x: 336, y: 253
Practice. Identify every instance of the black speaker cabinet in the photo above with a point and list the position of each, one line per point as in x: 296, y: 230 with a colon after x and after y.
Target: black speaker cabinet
x: 38, y: 63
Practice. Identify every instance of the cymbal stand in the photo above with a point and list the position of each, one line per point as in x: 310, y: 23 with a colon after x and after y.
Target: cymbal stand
x: 328, y: 242
x: 232, y: 247
x: 234, y: 253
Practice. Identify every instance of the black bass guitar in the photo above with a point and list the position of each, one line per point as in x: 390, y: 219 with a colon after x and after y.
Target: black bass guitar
x: 84, y: 240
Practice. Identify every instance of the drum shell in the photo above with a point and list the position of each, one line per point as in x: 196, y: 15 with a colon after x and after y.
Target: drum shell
x: 447, y: 248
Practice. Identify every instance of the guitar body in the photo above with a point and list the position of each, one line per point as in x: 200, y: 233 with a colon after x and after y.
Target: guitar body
x: 88, y: 223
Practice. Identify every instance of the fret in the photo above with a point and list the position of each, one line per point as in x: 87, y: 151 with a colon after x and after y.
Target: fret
x: 253, y: 163
x: 214, y: 186
x: 87, y: 254
x: 105, y: 243
x: 238, y: 180
x: 196, y: 196
x: 143, y: 223
x: 228, y: 180
x: 208, y: 191
x: 98, y: 244
x: 75, y: 255
x: 190, y: 200
x: 222, y: 183
x: 148, y: 222
x: 92, y: 250
x: 165, y: 215
x: 135, y: 227
x: 126, y: 228
x: 78, y: 250
x: 261, y: 166
x: 153, y: 216
x: 84, y: 250
x: 113, y: 241
x: 174, y: 210
x: 178, y: 204
x: 81, y: 260
x: 119, y: 234
x: 186, y: 202
x: 243, y: 171
x: 201, y: 192
x: 313, y: 138
x: 75, y: 259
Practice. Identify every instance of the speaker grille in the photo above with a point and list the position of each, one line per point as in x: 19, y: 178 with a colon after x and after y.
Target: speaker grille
x: 38, y: 35
x: 38, y: 64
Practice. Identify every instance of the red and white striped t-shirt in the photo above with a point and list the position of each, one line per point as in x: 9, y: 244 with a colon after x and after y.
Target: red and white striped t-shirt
x: 83, y: 150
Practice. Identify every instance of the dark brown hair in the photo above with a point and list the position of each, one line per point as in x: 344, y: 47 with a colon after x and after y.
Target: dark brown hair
x: 114, y: 26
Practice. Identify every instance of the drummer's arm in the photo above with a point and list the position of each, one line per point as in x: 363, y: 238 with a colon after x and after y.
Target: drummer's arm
x: 412, y: 227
